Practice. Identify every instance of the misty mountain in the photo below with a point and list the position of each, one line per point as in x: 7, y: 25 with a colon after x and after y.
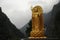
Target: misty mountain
x: 8, y: 30
x: 53, y: 27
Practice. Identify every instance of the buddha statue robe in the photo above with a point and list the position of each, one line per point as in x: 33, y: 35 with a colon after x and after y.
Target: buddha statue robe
x: 37, y: 22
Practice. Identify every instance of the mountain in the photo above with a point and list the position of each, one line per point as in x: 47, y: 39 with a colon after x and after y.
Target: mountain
x: 8, y: 30
x: 53, y: 27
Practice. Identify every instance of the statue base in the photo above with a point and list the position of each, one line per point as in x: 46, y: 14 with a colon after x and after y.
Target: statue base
x: 42, y: 38
x: 37, y: 38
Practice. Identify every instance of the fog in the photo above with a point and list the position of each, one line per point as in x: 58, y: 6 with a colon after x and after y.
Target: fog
x: 19, y: 11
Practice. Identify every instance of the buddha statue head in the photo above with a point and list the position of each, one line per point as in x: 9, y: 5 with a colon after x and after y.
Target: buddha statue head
x: 37, y: 9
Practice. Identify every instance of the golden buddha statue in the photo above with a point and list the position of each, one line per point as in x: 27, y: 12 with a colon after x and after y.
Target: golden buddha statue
x: 37, y: 22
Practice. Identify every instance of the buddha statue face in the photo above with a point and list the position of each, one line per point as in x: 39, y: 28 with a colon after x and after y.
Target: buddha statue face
x: 37, y: 9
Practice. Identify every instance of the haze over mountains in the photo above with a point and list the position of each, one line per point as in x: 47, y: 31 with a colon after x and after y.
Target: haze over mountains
x: 19, y: 11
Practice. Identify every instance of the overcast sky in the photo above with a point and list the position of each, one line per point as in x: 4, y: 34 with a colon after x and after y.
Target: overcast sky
x: 19, y: 11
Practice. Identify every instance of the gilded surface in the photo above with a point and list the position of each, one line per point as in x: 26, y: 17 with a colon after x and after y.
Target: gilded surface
x: 37, y: 22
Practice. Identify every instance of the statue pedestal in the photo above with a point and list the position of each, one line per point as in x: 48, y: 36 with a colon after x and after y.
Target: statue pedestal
x: 37, y: 38
x: 42, y: 38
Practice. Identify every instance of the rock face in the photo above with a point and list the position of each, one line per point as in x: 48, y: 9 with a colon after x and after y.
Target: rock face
x: 53, y: 27
x: 57, y: 19
x: 8, y: 31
